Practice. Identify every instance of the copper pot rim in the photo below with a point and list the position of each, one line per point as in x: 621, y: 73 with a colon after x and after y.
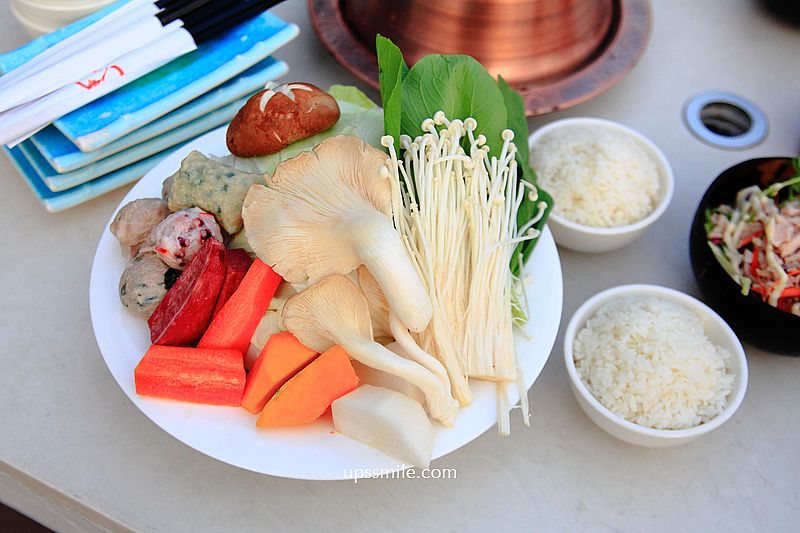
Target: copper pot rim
x: 623, y: 48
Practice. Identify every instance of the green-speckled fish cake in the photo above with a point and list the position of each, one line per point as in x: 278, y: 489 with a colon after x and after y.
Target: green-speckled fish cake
x: 213, y: 187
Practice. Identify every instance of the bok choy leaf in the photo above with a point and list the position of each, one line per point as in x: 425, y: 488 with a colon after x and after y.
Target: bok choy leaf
x: 461, y: 87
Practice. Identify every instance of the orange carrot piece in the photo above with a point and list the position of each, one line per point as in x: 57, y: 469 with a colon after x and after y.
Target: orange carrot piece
x: 791, y: 292
x: 282, y: 357
x: 209, y: 376
x: 747, y: 240
x: 237, y: 263
x: 305, y: 397
x: 235, y: 323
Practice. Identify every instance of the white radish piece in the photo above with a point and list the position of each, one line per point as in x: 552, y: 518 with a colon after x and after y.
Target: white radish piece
x: 387, y: 420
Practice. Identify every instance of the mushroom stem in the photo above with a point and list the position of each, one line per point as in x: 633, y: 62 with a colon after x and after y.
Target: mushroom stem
x: 440, y: 405
x: 413, y: 350
x: 384, y: 255
x: 335, y: 311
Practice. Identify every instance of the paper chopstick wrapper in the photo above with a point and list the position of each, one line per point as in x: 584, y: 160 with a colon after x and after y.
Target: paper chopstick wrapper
x: 116, y: 43
x: 19, y: 123
x: 89, y: 35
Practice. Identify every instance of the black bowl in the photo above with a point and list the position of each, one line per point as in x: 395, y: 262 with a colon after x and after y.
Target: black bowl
x: 753, y: 320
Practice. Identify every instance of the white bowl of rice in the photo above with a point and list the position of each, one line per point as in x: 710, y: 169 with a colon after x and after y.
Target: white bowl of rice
x: 609, y: 182
x: 653, y: 366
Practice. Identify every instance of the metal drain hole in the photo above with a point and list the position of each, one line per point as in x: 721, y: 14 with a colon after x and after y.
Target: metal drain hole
x: 725, y: 120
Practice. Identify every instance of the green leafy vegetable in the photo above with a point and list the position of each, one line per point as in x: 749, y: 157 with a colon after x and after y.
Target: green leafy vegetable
x: 792, y: 185
x: 392, y: 70
x: 775, y: 188
x: 728, y: 267
x: 746, y: 284
x: 351, y: 95
x: 708, y: 224
x: 459, y: 86
x: 515, y: 109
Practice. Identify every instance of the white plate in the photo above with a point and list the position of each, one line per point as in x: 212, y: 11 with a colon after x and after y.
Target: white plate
x: 314, y: 451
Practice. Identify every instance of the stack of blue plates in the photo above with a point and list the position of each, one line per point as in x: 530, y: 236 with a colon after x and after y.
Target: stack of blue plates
x: 116, y: 139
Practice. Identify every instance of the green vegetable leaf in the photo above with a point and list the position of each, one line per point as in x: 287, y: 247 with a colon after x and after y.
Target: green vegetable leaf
x: 392, y: 70
x: 459, y: 86
x: 708, y: 224
x: 724, y: 262
x: 519, y: 315
x: 515, y: 111
x: 746, y: 284
x: 775, y: 188
x: 528, y: 210
x: 351, y: 95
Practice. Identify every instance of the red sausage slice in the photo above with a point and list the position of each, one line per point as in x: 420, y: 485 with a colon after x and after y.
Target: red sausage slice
x: 183, y: 315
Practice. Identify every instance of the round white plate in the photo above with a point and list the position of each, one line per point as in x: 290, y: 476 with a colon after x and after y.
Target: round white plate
x: 314, y: 451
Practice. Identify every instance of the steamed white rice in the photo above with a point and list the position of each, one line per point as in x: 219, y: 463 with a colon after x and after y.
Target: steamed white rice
x: 597, y: 176
x: 649, y: 361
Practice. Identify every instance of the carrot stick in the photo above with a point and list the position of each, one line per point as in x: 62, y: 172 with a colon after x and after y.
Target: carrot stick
x: 791, y: 292
x: 196, y: 375
x: 747, y: 240
x: 235, y: 323
x: 754, y: 266
x: 758, y: 286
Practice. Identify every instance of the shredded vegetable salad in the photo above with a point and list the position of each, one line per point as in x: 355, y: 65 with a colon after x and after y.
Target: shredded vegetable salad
x: 757, y: 241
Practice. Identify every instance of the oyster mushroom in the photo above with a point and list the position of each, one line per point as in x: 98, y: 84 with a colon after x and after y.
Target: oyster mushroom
x: 378, y: 307
x: 390, y: 327
x: 327, y: 212
x: 335, y: 311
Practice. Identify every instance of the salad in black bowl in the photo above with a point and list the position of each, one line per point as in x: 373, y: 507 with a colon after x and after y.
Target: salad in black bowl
x: 745, y: 251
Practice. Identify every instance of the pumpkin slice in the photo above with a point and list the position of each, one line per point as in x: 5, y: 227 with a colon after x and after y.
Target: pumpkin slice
x: 305, y: 397
x: 282, y: 357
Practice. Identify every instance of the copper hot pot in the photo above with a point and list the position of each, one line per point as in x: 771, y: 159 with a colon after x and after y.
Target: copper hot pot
x: 555, y: 52
x: 524, y: 40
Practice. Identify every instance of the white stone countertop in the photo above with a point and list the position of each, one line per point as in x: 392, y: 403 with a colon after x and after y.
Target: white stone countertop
x: 76, y: 454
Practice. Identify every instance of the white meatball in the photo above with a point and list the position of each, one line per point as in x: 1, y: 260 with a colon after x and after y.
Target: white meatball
x: 179, y: 236
x: 136, y: 221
